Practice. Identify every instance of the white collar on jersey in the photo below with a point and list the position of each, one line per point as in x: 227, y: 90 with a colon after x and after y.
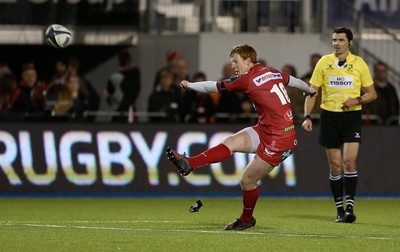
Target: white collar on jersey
x: 337, y: 64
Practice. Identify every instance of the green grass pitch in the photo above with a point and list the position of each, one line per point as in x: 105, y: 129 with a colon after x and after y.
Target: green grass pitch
x: 165, y: 224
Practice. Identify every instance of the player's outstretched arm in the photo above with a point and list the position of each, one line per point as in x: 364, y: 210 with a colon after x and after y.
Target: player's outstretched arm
x: 201, y: 86
x: 300, y: 84
x: 184, y: 84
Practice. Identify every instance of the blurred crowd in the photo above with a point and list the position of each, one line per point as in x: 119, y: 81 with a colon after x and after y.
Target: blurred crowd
x: 68, y: 96
x: 65, y: 96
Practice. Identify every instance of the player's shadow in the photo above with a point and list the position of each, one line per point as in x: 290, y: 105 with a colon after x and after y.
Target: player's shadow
x: 209, y: 225
x: 394, y: 226
x: 311, y: 217
x: 220, y: 227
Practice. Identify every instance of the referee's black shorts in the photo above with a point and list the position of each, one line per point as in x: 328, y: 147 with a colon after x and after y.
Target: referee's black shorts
x: 337, y: 128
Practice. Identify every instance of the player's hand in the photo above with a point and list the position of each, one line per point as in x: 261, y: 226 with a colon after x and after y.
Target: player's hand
x: 184, y: 84
x: 307, y: 125
x: 313, y: 92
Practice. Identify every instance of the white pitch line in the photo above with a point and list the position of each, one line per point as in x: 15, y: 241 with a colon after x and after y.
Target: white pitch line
x: 199, y: 231
x: 89, y: 221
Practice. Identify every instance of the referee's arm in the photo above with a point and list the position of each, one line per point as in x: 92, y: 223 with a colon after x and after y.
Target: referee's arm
x: 310, y: 102
x: 308, y: 107
x: 369, y: 94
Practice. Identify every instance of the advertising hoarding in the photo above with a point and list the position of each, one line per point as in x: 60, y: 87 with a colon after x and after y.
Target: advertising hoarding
x: 130, y: 159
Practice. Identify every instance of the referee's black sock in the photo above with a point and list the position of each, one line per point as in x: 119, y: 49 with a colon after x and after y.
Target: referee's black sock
x: 336, y: 183
x: 350, y: 185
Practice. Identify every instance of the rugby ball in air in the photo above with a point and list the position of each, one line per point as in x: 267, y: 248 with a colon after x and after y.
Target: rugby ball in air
x: 58, y: 36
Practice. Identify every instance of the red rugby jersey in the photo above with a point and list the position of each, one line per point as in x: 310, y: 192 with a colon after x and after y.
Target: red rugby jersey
x: 266, y: 89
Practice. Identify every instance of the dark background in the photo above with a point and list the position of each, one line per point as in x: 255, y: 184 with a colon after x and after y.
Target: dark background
x: 44, y: 57
x: 82, y: 13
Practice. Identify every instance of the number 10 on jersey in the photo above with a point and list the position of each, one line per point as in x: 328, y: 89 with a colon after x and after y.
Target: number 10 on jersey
x: 281, y: 92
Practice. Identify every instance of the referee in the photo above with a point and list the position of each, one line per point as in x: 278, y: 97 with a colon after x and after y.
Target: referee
x: 346, y: 84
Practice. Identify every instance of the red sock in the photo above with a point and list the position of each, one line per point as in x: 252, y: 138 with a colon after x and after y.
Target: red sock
x: 249, y: 203
x: 214, y: 155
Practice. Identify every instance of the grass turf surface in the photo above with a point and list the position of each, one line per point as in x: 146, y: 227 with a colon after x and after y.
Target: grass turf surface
x: 165, y: 224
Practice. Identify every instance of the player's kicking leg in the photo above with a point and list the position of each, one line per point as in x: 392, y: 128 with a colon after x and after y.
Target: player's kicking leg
x: 180, y: 161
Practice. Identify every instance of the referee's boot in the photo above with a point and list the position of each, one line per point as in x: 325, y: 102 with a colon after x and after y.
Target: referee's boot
x: 349, y: 216
x: 339, y: 217
x: 180, y: 161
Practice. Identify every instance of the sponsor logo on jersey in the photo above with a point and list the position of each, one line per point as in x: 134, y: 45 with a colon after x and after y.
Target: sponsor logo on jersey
x: 288, y: 115
x: 291, y: 127
x: 269, y: 153
x: 329, y: 67
x: 286, y: 154
x: 340, y: 82
x: 264, y: 78
x: 350, y: 68
x: 271, y: 146
x: 357, y: 135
